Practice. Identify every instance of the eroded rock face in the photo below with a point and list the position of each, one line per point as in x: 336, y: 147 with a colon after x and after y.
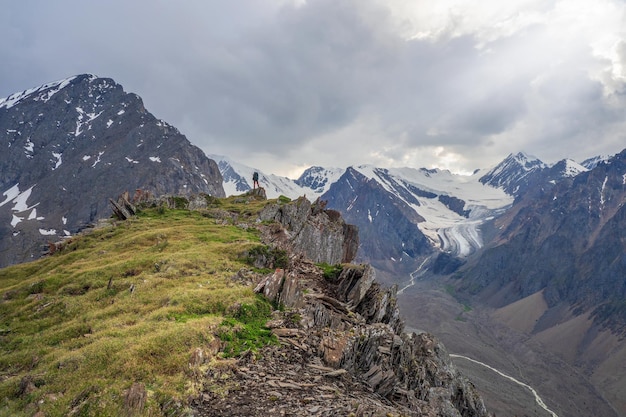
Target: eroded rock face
x: 308, y: 228
x: 351, y: 324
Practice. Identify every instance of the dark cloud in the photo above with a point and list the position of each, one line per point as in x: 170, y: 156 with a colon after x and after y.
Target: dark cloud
x: 333, y: 83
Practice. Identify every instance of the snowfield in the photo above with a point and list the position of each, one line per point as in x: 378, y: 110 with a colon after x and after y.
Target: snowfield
x: 447, y: 230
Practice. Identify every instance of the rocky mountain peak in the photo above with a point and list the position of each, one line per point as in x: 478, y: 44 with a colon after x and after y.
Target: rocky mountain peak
x: 70, y: 145
x: 568, y: 168
x: 591, y: 163
x: 514, y: 174
x: 564, y: 240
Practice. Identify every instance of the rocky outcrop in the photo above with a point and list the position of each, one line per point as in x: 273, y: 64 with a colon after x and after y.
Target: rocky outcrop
x: 350, y: 323
x: 308, y: 228
x: 336, y: 359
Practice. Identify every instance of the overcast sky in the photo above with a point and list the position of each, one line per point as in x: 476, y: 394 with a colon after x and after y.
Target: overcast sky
x: 281, y: 85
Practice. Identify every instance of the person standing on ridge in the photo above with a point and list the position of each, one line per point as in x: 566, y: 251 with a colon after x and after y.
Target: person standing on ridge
x: 255, y: 180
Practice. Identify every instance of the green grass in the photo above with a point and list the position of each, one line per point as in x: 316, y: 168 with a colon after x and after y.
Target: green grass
x: 331, y: 272
x: 245, y: 329
x: 127, y: 304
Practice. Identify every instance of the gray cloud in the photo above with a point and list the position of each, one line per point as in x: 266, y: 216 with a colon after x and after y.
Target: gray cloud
x: 283, y: 85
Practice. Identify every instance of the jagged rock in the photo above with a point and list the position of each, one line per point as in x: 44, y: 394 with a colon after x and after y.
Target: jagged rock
x: 354, y: 282
x: 258, y: 193
x: 353, y: 326
x: 123, y: 209
x: 319, y: 234
x: 273, y: 285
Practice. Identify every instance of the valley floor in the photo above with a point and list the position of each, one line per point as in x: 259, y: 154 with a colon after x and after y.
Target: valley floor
x: 470, y: 331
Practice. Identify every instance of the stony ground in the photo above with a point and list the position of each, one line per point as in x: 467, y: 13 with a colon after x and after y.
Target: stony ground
x: 341, y: 352
x: 286, y: 380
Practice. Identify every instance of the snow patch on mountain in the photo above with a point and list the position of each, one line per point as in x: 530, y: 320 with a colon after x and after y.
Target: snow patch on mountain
x: 319, y: 179
x: 81, y: 122
x: 573, y: 168
x: 45, y: 92
x: 18, y: 198
x: 57, y: 160
x: 97, y: 159
x: 593, y: 162
x: 20, y: 205
x: 16, y: 220
x: 29, y: 148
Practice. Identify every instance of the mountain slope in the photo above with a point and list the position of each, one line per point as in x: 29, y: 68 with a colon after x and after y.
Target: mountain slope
x: 568, y: 241
x: 169, y: 327
x: 380, y: 217
x: 122, y: 305
x: 69, y: 146
x: 563, y: 247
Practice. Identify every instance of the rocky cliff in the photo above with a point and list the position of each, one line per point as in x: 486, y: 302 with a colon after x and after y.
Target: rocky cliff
x: 69, y: 146
x: 320, y: 235
x: 343, y: 349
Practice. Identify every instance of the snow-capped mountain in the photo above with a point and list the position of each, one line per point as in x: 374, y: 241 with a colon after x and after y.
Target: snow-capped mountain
x: 452, y: 206
x: 403, y: 214
x: 518, y: 173
x: 514, y: 174
x: 567, y: 241
x: 313, y: 182
x: 319, y: 179
x: 591, y: 163
x: 71, y: 145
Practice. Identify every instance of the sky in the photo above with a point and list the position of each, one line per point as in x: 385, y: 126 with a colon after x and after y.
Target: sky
x: 282, y: 85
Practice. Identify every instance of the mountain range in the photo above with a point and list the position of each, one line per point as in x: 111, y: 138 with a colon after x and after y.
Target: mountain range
x: 539, y: 250
x: 413, y: 213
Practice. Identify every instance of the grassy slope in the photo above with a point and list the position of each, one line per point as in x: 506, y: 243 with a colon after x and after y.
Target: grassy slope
x: 74, y: 337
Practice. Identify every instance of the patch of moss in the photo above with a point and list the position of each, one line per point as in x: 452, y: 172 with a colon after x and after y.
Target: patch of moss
x: 331, y: 272
x: 245, y: 329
